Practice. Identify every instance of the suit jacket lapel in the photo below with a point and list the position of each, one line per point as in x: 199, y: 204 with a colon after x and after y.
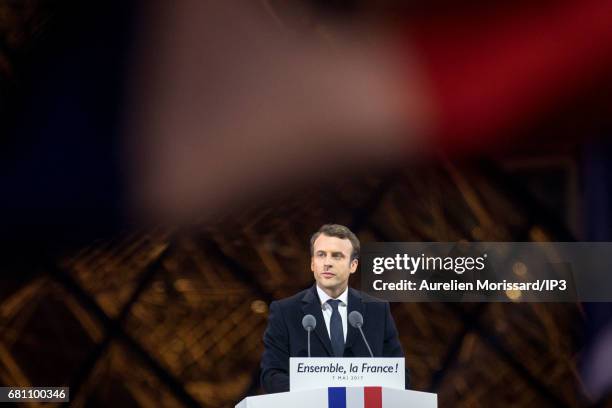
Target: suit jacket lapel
x: 354, y: 303
x: 312, y: 305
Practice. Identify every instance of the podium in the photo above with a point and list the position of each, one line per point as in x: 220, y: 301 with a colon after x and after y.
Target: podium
x: 343, y: 397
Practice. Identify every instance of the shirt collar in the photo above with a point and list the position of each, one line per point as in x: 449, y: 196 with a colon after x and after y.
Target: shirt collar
x: 324, y: 297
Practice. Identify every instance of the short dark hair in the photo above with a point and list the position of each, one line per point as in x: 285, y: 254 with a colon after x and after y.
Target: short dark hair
x: 338, y: 231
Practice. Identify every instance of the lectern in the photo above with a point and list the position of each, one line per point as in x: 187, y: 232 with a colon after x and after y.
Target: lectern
x: 338, y: 382
x: 343, y: 397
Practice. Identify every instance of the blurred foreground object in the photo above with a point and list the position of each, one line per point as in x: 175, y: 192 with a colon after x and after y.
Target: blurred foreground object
x: 206, y: 106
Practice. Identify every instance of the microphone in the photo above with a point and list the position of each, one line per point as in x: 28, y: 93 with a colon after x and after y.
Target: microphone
x: 309, y: 323
x: 356, y: 320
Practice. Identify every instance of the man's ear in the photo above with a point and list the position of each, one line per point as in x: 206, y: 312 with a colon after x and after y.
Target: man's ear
x: 353, y: 266
x: 312, y: 268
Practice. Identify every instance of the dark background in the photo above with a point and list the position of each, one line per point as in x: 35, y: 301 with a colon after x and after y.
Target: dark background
x: 165, y: 318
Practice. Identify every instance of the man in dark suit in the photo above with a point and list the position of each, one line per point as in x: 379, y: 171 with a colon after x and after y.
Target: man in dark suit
x: 335, y: 253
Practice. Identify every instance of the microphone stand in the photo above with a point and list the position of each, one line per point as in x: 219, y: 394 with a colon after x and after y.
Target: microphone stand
x: 365, y: 341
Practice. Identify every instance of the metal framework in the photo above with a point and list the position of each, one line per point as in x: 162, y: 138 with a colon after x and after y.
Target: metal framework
x: 152, y: 319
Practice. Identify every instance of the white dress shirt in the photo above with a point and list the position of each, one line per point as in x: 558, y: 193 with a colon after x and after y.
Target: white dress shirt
x: 327, y: 309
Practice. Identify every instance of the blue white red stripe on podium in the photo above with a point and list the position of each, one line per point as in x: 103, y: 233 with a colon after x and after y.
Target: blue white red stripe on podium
x: 343, y: 397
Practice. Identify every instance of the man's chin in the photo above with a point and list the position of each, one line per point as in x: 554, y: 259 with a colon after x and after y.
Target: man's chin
x: 332, y: 286
x: 327, y: 284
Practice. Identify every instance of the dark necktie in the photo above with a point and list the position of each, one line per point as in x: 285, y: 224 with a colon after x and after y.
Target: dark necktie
x: 335, y: 329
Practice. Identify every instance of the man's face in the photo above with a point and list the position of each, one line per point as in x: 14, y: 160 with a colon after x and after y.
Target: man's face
x: 331, y: 263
